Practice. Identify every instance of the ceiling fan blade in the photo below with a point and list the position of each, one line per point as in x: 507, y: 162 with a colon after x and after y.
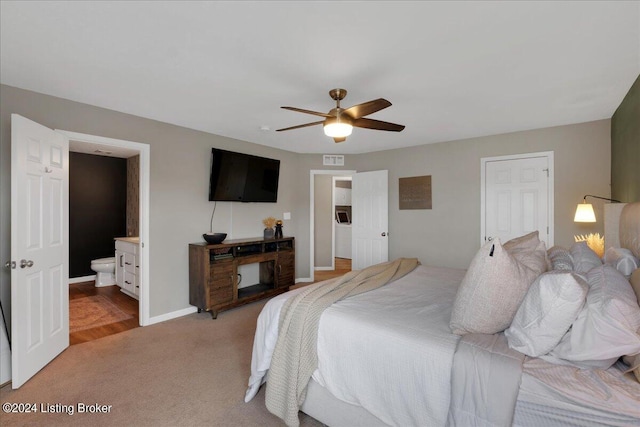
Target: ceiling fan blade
x: 343, y: 139
x: 366, y: 108
x: 377, y: 125
x: 301, y: 126
x: 315, y: 113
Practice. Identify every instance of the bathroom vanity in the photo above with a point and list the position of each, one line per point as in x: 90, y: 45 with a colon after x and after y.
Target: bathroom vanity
x: 128, y: 265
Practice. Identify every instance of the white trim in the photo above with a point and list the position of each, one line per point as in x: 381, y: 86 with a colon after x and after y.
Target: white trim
x: 82, y: 279
x: 550, y: 192
x: 172, y: 315
x: 304, y: 280
x: 145, y: 155
x: 325, y: 268
x: 312, y: 174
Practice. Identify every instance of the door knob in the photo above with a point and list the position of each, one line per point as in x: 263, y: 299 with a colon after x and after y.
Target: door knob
x: 383, y: 234
x: 489, y: 238
x: 24, y: 263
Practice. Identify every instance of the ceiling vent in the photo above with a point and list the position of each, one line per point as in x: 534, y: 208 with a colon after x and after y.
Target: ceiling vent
x: 332, y: 160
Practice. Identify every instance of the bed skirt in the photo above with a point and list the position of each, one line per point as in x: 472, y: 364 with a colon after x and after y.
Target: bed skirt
x: 324, y: 407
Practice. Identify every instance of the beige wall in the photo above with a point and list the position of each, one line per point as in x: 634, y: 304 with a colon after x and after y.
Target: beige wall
x: 323, y: 236
x: 179, y: 172
x: 448, y: 235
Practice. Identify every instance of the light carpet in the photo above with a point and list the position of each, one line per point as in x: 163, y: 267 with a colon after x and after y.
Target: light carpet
x: 190, y: 371
x: 93, y: 311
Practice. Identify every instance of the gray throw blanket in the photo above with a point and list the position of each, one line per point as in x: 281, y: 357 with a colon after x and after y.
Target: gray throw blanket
x: 485, y: 381
x: 295, y: 355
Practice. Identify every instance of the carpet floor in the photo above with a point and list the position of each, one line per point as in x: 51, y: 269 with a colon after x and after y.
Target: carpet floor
x: 190, y: 371
x: 93, y: 311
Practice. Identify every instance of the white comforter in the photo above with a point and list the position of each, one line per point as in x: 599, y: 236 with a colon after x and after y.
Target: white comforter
x: 401, y: 329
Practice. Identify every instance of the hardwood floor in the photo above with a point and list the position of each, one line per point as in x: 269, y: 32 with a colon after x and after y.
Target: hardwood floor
x: 124, y: 302
x: 130, y: 305
x: 342, y: 265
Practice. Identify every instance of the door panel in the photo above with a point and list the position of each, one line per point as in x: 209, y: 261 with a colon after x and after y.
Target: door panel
x: 369, y: 225
x: 517, y: 198
x: 39, y: 246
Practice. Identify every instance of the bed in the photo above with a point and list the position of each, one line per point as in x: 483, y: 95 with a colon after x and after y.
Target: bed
x: 388, y: 356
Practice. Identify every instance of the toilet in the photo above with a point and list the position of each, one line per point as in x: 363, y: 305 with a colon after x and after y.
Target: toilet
x: 105, y: 269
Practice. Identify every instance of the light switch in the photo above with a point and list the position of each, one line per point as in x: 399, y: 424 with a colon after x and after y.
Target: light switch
x: 286, y: 215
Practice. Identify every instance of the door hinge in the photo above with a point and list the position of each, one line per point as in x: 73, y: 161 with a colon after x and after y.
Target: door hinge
x: 547, y: 171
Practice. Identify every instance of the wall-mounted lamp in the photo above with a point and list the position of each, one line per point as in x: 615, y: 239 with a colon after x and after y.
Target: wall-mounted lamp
x: 584, y: 211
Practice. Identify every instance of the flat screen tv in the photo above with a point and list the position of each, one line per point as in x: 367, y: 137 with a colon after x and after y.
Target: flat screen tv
x: 237, y: 177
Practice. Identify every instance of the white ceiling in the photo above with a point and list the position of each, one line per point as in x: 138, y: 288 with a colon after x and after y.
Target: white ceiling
x: 452, y: 70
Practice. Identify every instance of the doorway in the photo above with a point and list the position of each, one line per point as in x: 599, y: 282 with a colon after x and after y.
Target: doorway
x: 91, y: 143
x: 322, y: 226
x: 104, y: 187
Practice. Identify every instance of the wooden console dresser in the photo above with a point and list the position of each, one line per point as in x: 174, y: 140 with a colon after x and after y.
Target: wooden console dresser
x: 214, y: 278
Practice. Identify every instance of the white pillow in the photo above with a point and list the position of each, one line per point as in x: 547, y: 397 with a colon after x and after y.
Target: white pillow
x: 560, y: 258
x: 493, y: 288
x: 622, y: 260
x: 547, y: 312
x: 584, y: 258
x: 607, y: 326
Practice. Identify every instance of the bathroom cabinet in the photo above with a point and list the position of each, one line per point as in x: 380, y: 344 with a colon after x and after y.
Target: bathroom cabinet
x: 128, y: 265
x: 213, y: 272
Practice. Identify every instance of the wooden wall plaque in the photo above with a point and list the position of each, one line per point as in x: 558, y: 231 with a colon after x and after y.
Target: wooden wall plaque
x: 415, y: 192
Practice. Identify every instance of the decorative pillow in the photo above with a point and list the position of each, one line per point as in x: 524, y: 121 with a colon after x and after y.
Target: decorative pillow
x: 607, y: 326
x: 528, y: 242
x: 622, y: 260
x: 493, y: 288
x: 584, y: 259
x: 552, y: 303
x: 560, y: 258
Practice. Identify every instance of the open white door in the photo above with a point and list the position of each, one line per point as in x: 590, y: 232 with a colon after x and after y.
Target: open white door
x: 369, y: 225
x: 39, y: 247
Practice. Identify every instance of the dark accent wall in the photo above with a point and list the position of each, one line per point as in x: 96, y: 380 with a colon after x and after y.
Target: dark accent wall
x: 625, y: 147
x: 97, y: 209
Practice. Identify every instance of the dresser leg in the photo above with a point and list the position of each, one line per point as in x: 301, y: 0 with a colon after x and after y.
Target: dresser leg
x: 214, y: 314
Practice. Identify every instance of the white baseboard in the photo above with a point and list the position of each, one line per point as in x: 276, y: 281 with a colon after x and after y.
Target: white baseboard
x: 172, y: 315
x: 82, y: 279
x: 304, y: 280
x: 323, y: 268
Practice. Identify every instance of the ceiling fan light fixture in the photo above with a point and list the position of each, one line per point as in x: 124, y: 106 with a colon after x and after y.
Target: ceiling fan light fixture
x: 338, y: 130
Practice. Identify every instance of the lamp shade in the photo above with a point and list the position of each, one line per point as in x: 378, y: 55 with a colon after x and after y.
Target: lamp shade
x: 584, y: 213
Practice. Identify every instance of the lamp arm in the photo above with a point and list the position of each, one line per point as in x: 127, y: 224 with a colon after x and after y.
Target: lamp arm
x: 598, y: 197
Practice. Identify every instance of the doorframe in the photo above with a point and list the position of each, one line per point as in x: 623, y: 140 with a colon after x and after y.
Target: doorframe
x: 144, y: 151
x: 550, y: 185
x: 312, y: 174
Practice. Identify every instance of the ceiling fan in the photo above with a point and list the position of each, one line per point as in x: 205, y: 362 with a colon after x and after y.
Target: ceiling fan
x: 339, y: 122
